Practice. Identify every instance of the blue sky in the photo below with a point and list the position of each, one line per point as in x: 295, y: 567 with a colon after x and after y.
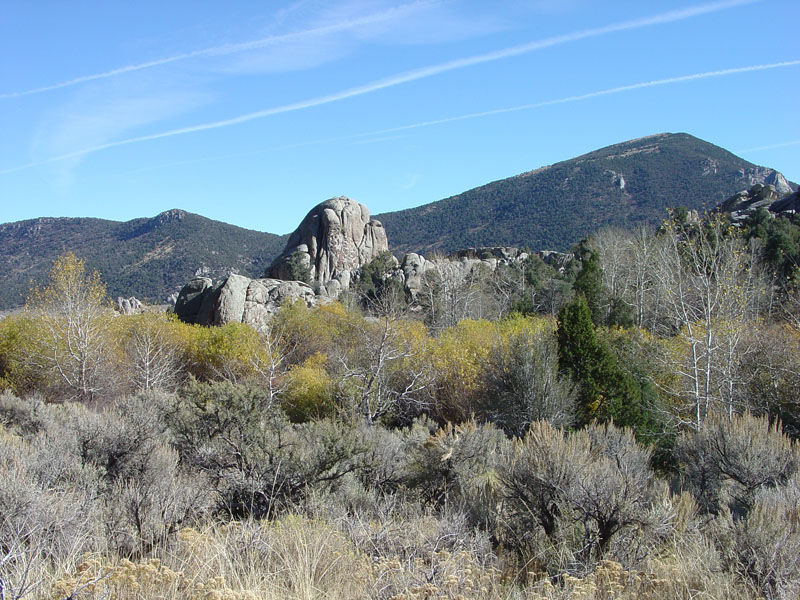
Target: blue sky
x: 253, y: 112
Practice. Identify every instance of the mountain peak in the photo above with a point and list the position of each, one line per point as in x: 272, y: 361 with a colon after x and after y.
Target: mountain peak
x: 169, y: 216
x: 628, y: 184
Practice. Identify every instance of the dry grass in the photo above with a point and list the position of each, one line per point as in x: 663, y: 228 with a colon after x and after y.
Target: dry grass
x: 301, y: 558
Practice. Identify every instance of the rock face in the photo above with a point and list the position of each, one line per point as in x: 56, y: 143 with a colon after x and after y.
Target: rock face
x: 238, y: 299
x: 746, y: 202
x: 789, y: 204
x: 190, y: 299
x: 329, y: 248
x: 128, y: 306
x: 335, y: 238
x: 457, y: 266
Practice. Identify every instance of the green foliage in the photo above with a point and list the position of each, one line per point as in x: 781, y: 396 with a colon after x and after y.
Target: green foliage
x: 309, y: 391
x: 589, y: 283
x: 780, y: 237
x: 299, y: 267
x: 380, y: 293
x: 145, y: 258
x: 17, y: 335
x: 606, y: 391
x: 554, y: 207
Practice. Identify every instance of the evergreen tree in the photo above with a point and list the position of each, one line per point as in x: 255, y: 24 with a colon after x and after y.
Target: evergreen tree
x: 589, y: 282
x: 606, y: 391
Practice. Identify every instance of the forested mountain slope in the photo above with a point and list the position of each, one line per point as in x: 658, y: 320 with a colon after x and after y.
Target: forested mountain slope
x: 553, y: 207
x: 149, y: 258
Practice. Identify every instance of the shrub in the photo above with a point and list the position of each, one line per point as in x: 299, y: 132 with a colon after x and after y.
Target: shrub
x: 591, y: 493
x: 145, y: 512
x: 730, y: 459
x: 255, y: 459
x: 523, y: 383
x: 309, y: 390
x: 456, y: 466
x: 764, y: 546
x: 47, y: 512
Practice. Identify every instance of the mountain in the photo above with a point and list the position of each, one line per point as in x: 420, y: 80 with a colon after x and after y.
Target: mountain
x: 627, y: 184
x: 149, y: 258
x: 550, y: 208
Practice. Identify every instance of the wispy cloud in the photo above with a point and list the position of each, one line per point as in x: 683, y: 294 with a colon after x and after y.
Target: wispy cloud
x: 352, y: 23
x: 770, y: 147
x: 95, y: 119
x: 599, y: 93
x: 430, y: 71
x: 385, y: 134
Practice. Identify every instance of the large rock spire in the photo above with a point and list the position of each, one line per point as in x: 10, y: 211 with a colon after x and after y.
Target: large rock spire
x: 334, y: 239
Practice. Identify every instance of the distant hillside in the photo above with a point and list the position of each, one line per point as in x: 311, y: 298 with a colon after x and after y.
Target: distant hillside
x: 146, y: 258
x: 550, y: 208
x: 553, y: 207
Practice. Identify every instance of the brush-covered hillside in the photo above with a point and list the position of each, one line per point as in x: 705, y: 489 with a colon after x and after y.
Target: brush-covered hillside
x: 553, y: 207
x: 149, y: 258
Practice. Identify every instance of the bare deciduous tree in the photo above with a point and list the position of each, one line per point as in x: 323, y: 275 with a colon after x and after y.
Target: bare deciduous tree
x: 711, y: 286
x: 453, y: 291
x: 524, y: 385
x: 383, y: 372
x: 73, y: 345
x: 152, y: 354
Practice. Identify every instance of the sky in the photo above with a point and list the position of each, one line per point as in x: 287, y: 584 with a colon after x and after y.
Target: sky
x: 253, y: 112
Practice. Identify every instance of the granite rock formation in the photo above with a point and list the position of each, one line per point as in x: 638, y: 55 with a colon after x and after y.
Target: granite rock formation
x: 238, y: 299
x: 743, y: 204
x: 128, y: 306
x: 336, y: 238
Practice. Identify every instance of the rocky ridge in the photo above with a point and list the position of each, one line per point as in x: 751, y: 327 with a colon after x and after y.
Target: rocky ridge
x: 774, y: 198
x: 330, y: 247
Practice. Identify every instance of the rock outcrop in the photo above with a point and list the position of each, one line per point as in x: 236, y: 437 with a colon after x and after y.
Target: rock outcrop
x: 743, y: 204
x: 457, y: 266
x: 789, y: 204
x: 128, y: 306
x: 238, y: 299
x: 335, y: 239
x: 329, y: 248
x: 746, y: 202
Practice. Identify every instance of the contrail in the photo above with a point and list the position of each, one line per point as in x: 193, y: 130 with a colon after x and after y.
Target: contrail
x: 770, y: 147
x: 497, y: 111
x: 228, y: 48
x: 510, y: 109
x: 659, y: 19
x: 606, y: 92
x: 417, y: 74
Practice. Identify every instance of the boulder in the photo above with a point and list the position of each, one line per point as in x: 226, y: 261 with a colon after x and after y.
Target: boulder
x: 336, y: 238
x: 787, y: 205
x: 744, y: 203
x: 265, y: 296
x: 190, y: 299
x: 238, y: 299
x: 230, y: 300
x: 128, y: 306
x: 412, y: 267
